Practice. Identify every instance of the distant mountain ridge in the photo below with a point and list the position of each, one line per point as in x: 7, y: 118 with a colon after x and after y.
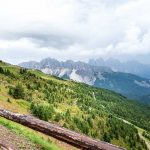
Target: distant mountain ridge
x: 78, y: 71
x: 130, y: 85
x: 133, y: 67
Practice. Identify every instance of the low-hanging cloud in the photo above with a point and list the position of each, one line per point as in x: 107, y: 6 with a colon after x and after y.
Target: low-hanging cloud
x: 74, y: 29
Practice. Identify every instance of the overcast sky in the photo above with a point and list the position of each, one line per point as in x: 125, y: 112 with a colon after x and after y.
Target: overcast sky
x: 74, y: 29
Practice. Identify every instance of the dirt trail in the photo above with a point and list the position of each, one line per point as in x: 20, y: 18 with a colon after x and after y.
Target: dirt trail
x: 140, y: 131
x: 14, y: 141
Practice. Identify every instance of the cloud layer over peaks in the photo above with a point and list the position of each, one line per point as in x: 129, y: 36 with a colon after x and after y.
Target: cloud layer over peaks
x: 74, y: 29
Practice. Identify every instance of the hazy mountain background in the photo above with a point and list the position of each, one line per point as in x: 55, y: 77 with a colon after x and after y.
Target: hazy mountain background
x: 99, y: 73
x: 133, y: 67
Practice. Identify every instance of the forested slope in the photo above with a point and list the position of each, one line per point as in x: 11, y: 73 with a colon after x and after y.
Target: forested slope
x: 92, y: 111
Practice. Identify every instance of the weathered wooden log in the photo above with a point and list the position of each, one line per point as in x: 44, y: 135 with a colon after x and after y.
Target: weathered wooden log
x: 63, y: 134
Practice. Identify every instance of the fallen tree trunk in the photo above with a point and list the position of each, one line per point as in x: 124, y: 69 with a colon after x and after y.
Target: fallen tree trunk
x: 68, y: 136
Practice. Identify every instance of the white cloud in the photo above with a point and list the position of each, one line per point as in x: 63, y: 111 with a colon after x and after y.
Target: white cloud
x: 73, y: 29
x: 142, y: 84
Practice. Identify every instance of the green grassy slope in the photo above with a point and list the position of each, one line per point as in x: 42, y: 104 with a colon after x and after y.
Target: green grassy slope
x: 33, y: 136
x: 76, y: 106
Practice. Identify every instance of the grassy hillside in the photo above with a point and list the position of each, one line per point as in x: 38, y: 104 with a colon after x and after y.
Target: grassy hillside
x: 41, y: 142
x: 92, y: 111
x: 27, y: 139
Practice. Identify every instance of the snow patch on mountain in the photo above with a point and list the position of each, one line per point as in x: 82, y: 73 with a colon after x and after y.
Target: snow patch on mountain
x: 89, y: 81
x: 47, y: 71
x: 78, y: 78
x: 63, y: 71
x: 74, y: 76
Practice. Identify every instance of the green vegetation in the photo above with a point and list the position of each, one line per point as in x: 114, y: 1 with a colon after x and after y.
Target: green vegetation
x: 76, y: 106
x: 29, y: 134
x: 42, y: 111
x: 146, y: 135
x: 17, y: 92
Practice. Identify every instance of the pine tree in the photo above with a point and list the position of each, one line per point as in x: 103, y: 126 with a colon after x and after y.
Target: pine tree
x: 18, y: 92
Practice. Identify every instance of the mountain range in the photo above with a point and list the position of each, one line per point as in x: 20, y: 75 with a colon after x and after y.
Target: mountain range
x: 133, y: 67
x: 130, y: 85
